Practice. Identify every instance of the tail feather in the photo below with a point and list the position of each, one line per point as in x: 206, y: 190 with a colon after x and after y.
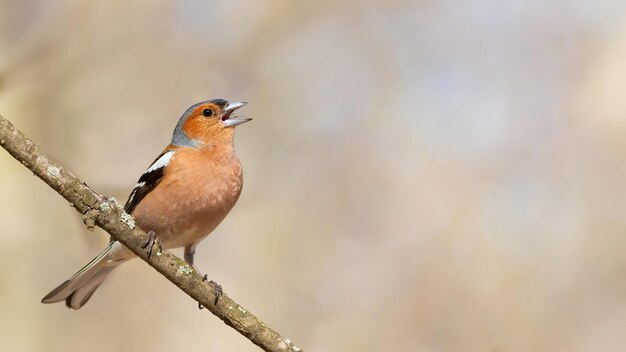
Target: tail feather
x: 77, y: 290
x: 82, y: 294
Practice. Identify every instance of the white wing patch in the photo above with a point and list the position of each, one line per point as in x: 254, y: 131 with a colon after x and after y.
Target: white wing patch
x: 161, y: 162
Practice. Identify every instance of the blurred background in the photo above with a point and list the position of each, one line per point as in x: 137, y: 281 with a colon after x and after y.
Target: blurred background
x: 419, y: 175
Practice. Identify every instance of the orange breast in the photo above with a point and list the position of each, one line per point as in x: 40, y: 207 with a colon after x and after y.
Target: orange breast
x: 199, y: 188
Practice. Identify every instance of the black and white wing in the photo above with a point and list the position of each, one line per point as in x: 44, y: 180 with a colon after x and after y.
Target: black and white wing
x: 149, y: 180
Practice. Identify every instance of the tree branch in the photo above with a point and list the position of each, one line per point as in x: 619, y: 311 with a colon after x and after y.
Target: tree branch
x: 106, y: 213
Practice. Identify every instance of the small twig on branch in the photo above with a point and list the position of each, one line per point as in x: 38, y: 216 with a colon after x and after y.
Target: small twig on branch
x: 106, y: 213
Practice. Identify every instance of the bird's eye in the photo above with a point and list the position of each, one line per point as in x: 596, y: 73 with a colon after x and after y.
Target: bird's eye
x: 207, y: 112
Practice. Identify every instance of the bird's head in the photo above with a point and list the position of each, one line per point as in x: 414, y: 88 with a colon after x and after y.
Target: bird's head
x: 208, y: 123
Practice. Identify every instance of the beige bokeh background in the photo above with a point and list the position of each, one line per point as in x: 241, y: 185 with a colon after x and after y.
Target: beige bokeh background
x: 419, y: 176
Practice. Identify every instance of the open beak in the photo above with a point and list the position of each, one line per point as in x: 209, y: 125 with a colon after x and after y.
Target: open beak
x: 235, y: 120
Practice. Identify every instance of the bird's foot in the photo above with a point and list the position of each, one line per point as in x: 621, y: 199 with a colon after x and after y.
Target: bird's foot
x: 152, y: 240
x: 218, y: 290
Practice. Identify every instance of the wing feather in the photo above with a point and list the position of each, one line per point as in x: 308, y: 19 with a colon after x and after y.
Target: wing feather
x: 149, y: 180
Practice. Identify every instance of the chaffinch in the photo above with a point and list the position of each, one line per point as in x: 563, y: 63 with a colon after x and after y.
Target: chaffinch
x: 181, y: 198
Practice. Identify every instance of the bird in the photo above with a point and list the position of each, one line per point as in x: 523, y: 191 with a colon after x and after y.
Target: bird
x: 179, y: 200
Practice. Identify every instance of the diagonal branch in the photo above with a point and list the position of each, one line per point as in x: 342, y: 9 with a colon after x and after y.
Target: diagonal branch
x: 106, y: 213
